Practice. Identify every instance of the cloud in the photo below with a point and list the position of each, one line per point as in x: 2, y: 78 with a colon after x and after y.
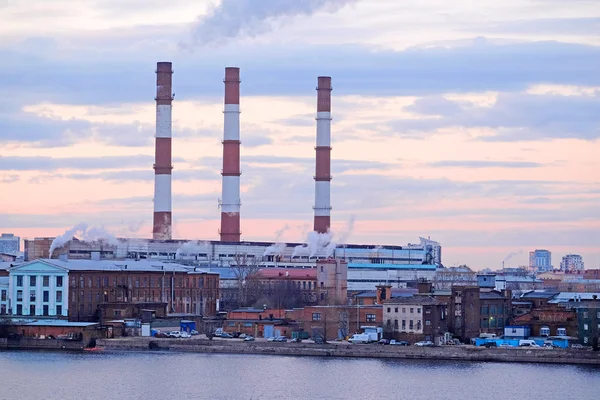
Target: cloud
x: 6, y: 178
x: 233, y: 18
x: 514, y: 116
x: 555, y: 26
x: 483, y: 164
x: 42, y: 163
x: 87, y: 78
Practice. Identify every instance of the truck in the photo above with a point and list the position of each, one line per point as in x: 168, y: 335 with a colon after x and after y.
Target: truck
x: 360, y: 338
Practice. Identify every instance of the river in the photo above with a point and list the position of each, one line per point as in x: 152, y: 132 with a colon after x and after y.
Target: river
x: 165, y: 375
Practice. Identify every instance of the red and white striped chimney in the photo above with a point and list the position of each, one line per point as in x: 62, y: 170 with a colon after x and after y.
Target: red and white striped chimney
x: 161, y: 229
x: 230, y: 202
x: 323, y: 164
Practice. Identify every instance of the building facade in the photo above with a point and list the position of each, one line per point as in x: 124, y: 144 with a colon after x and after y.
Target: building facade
x: 415, y: 318
x: 10, y: 243
x: 4, y: 290
x: 39, y: 288
x: 540, y: 260
x: 572, y: 262
x: 588, y: 323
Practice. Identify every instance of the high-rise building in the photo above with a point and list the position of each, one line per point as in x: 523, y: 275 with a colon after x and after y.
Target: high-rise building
x: 10, y: 243
x: 540, y: 260
x: 571, y: 262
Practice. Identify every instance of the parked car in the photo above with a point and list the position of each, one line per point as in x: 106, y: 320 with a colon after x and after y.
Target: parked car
x: 218, y: 332
x: 271, y: 339
x: 243, y: 336
x: 185, y: 335
x: 248, y: 338
x: 226, y: 335
x: 384, y: 341
x: 577, y: 346
x: 175, y: 334
x: 398, y: 342
x: 424, y: 343
x: 281, y: 339
x: 194, y: 332
x: 162, y: 335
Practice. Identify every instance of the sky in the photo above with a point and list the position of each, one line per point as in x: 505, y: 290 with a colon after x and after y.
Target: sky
x: 475, y: 124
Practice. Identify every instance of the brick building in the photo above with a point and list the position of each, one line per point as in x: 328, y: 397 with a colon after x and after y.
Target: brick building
x: 335, y: 321
x: 548, y: 319
x: 474, y: 310
x: 415, y: 318
x: 97, y: 290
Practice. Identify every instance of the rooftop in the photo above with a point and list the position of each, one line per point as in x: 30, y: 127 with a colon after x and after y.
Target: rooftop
x: 289, y: 273
x: 114, y: 265
x: 53, y: 322
x: 537, y: 294
x: 417, y: 299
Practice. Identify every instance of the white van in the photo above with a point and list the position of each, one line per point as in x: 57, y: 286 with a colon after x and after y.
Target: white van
x: 528, y: 343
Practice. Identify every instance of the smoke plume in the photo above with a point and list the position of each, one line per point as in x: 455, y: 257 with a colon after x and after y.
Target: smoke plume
x: 511, y: 255
x: 277, y: 248
x: 192, y: 248
x: 233, y: 18
x: 88, y: 234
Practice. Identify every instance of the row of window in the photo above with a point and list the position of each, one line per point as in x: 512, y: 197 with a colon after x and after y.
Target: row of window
x: 368, y: 317
x: 412, y: 325
x: 586, y: 314
x: 142, y: 282
x: 45, y: 296
x: 492, y: 322
x: 32, y: 310
x: 3, y: 295
x: 45, y: 280
x: 586, y: 327
x: 492, y: 309
x: 411, y: 310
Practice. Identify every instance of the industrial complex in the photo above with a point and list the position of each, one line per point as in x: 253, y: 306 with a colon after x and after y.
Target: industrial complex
x: 368, y: 265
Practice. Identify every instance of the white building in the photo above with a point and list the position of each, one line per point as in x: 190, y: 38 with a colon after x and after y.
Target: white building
x: 572, y: 262
x: 3, y: 295
x: 9, y: 243
x: 38, y: 288
x: 540, y: 260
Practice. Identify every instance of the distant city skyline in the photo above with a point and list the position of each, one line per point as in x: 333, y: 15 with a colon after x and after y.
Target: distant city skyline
x: 441, y: 127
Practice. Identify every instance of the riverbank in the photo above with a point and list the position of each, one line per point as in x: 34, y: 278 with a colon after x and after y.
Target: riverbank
x: 462, y: 353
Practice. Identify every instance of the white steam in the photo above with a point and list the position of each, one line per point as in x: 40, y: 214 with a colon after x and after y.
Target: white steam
x: 83, y: 232
x: 324, y: 244
x: 511, y: 255
x: 193, y: 247
x: 233, y: 18
x: 277, y: 248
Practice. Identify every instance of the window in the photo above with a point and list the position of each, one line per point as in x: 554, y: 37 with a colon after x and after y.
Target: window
x: 428, y: 311
x: 45, y: 309
x: 389, y: 309
x: 585, y: 314
x: 585, y: 327
x: 492, y: 309
x: 403, y: 324
x: 484, y: 323
x: 59, y: 281
x: 321, y: 268
x: 90, y: 282
x: 322, y: 296
x: 598, y: 315
x: 19, y: 280
x: 484, y: 310
x: 404, y: 310
x: 419, y: 325
x: 117, y: 313
x: 32, y: 280
x: 137, y: 282
x: 500, y: 309
x: 389, y: 323
x: 427, y: 322
x: 145, y: 282
x: 19, y: 295
x: 106, y: 296
x: 316, y: 316
x: 410, y: 324
x: 46, y: 296
x: 46, y: 281
x: 3, y: 295
x: 59, y: 296
x: 545, y: 331
x: 395, y: 324
x: 501, y: 322
x: 19, y: 309
x: 396, y: 309
x: 81, y: 282
x: 322, y: 285
x: 418, y: 311
x: 2, y: 309
x: 371, y: 317
x: 412, y: 310
x: 58, y: 310
x: 304, y: 285
x: 89, y: 309
x: 32, y: 309
x: 32, y: 295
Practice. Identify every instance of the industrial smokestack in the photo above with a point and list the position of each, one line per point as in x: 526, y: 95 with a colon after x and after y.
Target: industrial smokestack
x: 161, y: 229
x: 323, y: 161
x: 230, y: 202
